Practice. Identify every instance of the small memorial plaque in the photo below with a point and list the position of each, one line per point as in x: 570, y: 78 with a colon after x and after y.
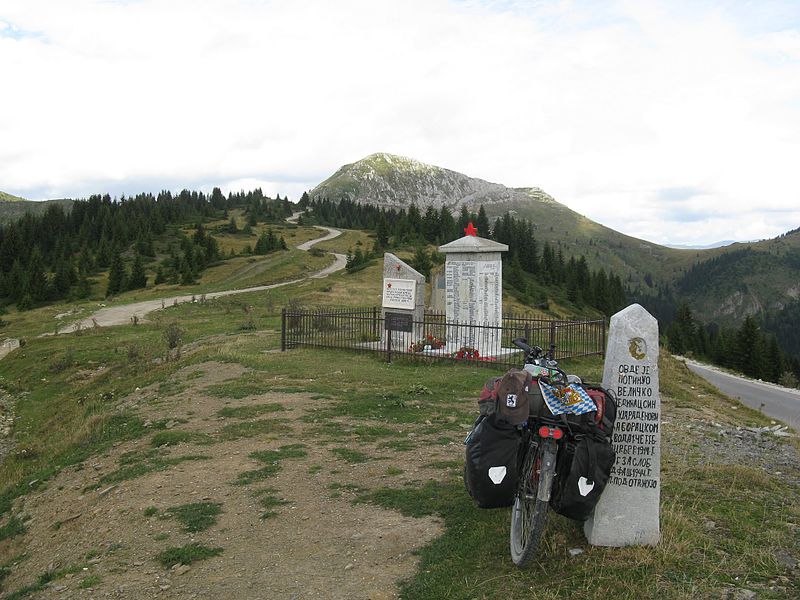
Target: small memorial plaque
x: 399, y: 293
x: 398, y: 322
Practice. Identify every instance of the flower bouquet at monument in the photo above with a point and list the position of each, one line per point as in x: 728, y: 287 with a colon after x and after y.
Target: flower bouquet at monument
x: 470, y: 353
x: 467, y: 353
x: 429, y: 342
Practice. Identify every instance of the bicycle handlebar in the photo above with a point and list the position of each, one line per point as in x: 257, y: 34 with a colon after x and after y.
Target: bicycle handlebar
x: 535, y: 354
x: 522, y: 343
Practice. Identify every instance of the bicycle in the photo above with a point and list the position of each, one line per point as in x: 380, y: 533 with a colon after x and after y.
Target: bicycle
x: 541, y: 440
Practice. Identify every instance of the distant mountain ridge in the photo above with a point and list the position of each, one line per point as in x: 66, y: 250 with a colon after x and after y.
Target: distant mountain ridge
x: 5, y: 197
x: 710, y: 246
x: 731, y: 292
x: 13, y: 207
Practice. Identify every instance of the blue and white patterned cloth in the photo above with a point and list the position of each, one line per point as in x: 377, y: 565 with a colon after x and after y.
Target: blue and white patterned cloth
x: 567, y: 400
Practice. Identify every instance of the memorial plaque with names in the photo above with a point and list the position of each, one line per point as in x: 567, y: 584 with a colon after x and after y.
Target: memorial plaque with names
x: 474, y: 291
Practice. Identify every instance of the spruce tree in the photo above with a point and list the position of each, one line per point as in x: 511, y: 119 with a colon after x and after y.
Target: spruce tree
x: 138, y: 277
x: 422, y: 261
x: 482, y: 223
x: 35, y: 277
x: 116, y: 275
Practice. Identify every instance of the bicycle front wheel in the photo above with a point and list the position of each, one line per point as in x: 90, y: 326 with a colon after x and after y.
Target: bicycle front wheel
x: 529, y: 514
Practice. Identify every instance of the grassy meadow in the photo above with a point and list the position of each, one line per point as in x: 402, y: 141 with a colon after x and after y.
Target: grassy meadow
x: 68, y: 394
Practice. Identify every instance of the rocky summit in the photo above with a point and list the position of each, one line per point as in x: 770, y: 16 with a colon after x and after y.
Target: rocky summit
x: 390, y: 180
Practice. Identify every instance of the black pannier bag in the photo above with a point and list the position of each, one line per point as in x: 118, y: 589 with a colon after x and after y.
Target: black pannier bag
x: 490, y: 468
x: 584, y: 466
x: 585, y: 461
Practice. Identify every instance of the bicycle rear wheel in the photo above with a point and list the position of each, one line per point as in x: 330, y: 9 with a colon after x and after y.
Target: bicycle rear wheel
x: 529, y: 514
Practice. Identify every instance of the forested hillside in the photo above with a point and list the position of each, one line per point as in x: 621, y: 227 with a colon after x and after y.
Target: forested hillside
x: 55, y: 255
x: 534, y: 272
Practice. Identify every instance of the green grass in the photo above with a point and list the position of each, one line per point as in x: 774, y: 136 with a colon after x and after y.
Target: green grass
x: 173, y: 437
x: 186, y: 555
x: 12, y: 528
x: 753, y: 512
x: 248, y: 429
x: 43, y: 580
x: 398, y: 445
x: 90, y: 582
x: 195, y: 517
x: 351, y: 456
x: 272, y: 466
x: 269, y: 501
x: 249, y: 384
x: 139, y: 463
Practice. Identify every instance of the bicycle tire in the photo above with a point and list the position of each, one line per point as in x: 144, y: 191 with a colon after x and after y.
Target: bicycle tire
x: 529, y: 513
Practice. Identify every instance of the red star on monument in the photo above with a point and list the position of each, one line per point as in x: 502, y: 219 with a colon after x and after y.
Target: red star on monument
x: 470, y: 230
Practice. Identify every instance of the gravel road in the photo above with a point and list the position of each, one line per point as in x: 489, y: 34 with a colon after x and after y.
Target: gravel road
x: 120, y: 315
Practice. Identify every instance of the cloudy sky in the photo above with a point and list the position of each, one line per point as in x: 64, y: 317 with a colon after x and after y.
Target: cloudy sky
x: 676, y: 122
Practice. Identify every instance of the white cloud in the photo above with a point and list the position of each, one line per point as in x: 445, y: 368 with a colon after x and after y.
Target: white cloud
x: 605, y: 107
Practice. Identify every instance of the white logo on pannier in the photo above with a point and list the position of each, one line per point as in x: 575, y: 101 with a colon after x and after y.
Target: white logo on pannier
x: 497, y: 474
x: 584, y: 486
x: 511, y: 401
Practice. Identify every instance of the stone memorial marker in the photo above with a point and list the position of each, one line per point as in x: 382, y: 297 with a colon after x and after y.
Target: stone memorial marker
x: 403, y: 294
x: 628, y: 511
x: 473, y: 291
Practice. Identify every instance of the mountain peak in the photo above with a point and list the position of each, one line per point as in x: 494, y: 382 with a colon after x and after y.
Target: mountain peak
x: 398, y: 181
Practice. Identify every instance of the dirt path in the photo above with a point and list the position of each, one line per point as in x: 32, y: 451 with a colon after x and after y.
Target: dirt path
x: 315, y: 544
x: 121, y: 315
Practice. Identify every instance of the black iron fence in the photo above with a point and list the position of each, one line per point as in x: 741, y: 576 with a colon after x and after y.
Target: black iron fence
x: 433, y: 338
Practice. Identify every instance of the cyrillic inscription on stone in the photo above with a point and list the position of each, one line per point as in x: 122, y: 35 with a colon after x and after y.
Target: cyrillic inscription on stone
x: 399, y: 293
x: 637, y: 428
x: 628, y: 511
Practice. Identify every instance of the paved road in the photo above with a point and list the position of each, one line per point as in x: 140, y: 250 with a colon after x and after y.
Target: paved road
x: 779, y: 403
x: 120, y: 315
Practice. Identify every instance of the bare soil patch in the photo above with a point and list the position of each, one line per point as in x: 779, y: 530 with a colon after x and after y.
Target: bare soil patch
x: 316, y: 543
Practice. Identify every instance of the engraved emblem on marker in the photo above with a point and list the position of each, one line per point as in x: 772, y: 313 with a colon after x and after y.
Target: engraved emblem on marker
x: 585, y: 486
x: 637, y: 348
x: 511, y: 401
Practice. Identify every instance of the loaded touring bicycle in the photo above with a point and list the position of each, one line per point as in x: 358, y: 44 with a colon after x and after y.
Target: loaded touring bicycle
x: 542, y: 441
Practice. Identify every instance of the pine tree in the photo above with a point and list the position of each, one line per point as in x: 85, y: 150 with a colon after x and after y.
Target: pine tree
x: 447, y: 226
x: 463, y: 220
x: 138, y: 277
x: 35, y: 277
x: 421, y: 261
x: 747, y: 347
x: 682, y: 332
x: 116, y: 275
x: 775, y: 364
x: 515, y: 276
x: 65, y: 277
x: 482, y: 223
